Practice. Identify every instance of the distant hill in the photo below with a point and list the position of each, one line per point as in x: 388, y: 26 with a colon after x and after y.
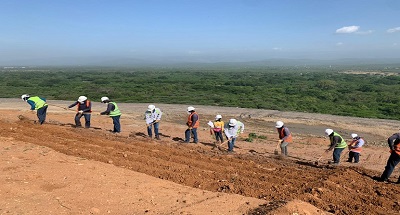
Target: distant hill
x: 176, y: 61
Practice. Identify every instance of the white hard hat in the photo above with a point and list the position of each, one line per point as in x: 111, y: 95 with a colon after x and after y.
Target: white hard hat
x: 151, y: 107
x: 354, y: 135
x: 279, y: 124
x: 218, y: 117
x: 232, y: 122
x: 104, y: 99
x: 190, y: 109
x: 82, y: 98
x: 328, y: 131
x: 25, y: 97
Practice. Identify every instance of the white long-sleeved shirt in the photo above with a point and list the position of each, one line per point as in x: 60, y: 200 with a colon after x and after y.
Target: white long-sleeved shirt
x: 151, y: 116
x: 241, y: 127
x: 231, y: 132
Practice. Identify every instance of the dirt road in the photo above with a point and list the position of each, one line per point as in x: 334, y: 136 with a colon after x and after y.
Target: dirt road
x: 57, y: 169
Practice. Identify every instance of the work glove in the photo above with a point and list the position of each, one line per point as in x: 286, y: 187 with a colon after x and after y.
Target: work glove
x: 80, y: 112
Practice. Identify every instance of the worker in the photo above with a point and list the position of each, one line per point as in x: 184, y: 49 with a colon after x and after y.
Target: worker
x: 84, y: 108
x: 37, y: 103
x: 355, y: 148
x: 232, y: 131
x: 337, y: 144
x: 240, y: 128
x: 153, y: 117
x: 114, y: 112
x: 394, y: 158
x: 285, y: 137
x: 193, y: 123
x: 218, y: 128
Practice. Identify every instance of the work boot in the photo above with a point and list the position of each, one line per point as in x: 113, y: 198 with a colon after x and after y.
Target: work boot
x: 157, y: 137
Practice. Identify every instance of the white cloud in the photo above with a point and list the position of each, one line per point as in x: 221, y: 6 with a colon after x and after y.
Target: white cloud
x: 339, y: 44
x: 348, y: 29
x: 392, y: 30
x: 277, y: 49
x: 394, y: 44
x: 364, y: 32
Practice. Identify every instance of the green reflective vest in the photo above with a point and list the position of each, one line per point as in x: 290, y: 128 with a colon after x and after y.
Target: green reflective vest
x: 340, y: 145
x: 116, y: 111
x: 39, y: 103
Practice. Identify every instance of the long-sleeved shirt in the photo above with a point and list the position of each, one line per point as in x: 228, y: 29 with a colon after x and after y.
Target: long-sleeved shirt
x: 393, y: 140
x: 359, y: 143
x: 241, y: 127
x: 110, y: 107
x: 86, y: 106
x: 152, y: 116
x: 194, y: 119
x: 334, y: 142
x: 231, y: 131
x: 286, y: 133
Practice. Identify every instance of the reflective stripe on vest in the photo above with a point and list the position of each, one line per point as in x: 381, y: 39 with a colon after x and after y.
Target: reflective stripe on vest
x: 116, y: 111
x: 282, y: 135
x: 340, y: 145
x: 189, y: 122
x: 39, y: 103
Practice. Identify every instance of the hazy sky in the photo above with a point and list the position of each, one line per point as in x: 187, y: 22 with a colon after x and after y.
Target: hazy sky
x: 214, y: 30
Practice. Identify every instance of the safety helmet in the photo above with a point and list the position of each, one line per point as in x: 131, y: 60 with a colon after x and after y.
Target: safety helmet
x: 190, y: 109
x: 232, y: 122
x: 279, y: 124
x: 104, y: 99
x: 328, y: 131
x: 82, y: 98
x: 151, y: 107
x: 218, y: 117
x: 354, y: 136
x: 25, y: 97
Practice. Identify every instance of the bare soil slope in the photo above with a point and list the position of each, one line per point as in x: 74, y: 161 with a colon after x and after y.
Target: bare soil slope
x: 96, y: 171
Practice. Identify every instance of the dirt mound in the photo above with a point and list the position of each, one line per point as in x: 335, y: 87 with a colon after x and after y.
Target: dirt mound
x: 337, y: 190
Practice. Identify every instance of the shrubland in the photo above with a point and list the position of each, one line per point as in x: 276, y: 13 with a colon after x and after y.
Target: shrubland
x: 362, y: 92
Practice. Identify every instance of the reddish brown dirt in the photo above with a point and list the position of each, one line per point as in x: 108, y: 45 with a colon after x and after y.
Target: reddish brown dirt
x: 253, y: 171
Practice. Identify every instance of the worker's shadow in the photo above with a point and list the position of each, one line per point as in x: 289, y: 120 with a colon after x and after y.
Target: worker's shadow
x: 178, y: 139
x: 164, y: 135
x: 208, y: 144
x: 140, y: 134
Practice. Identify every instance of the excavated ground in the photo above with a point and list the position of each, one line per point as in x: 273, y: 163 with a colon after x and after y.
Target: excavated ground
x: 253, y: 171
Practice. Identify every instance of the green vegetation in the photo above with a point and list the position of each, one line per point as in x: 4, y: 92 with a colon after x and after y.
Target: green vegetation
x: 316, y: 90
x: 253, y: 136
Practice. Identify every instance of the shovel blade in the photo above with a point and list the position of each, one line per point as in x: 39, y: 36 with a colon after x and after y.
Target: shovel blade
x: 276, y: 152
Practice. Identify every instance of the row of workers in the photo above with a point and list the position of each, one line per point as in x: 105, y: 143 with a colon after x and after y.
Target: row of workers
x: 153, y: 115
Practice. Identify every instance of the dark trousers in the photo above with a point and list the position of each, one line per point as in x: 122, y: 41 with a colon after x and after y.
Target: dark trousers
x: 78, y: 117
x: 117, y: 124
x: 187, y: 135
x: 150, y: 132
x: 354, y: 155
x: 41, y: 114
x: 393, y: 160
x: 218, y: 136
x: 336, y: 155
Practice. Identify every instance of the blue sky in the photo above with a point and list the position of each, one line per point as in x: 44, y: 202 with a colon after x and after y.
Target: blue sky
x: 202, y: 30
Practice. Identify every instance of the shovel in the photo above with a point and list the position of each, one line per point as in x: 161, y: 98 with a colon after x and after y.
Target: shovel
x: 319, y: 159
x: 276, y: 151
x: 225, y: 142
